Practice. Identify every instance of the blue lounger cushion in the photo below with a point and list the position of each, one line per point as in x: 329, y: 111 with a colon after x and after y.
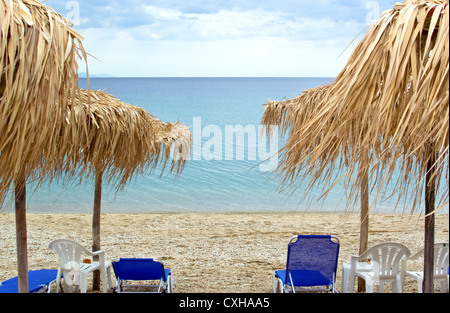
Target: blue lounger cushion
x: 304, y: 278
x: 37, y: 280
x: 140, y: 269
x: 311, y: 262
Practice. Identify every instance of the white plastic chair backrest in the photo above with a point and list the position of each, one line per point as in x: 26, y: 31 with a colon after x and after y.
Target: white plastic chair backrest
x: 69, y: 253
x: 440, y: 258
x: 386, y: 257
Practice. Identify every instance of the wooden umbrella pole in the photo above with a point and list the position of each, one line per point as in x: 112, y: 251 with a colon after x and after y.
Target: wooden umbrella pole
x: 96, y: 222
x: 21, y: 234
x: 364, y: 219
x: 430, y: 197
x: 364, y: 215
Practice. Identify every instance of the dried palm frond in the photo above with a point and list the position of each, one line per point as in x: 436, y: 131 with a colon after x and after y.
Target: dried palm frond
x: 289, y: 113
x: 390, y: 101
x: 311, y: 162
x: 119, y: 139
x: 39, y: 55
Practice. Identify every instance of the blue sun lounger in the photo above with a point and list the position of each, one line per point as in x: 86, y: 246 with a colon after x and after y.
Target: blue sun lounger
x: 311, y: 264
x: 38, y: 281
x: 130, y: 269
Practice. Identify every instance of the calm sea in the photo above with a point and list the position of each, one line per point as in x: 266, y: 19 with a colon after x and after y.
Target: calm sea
x: 216, y: 179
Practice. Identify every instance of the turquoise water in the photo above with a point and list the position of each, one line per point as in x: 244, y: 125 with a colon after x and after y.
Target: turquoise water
x: 216, y: 179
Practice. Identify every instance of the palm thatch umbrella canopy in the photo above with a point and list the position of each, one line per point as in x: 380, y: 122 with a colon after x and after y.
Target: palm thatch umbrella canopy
x: 387, y: 110
x: 121, y: 141
x: 39, y: 55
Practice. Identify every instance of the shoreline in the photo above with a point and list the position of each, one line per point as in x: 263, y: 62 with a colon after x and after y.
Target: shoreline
x: 114, y: 211
x: 210, y: 252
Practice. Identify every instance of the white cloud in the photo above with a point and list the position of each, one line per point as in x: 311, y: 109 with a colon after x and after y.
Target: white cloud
x: 162, y: 13
x: 181, y: 58
x: 235, y: 25
x: 220, y: 38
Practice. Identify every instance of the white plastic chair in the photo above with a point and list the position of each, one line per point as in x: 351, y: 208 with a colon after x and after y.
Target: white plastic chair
x: 387, y: 265
x: 74, y: 271
x: 440, y: 267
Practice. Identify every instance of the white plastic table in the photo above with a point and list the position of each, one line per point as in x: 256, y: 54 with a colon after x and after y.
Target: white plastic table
x: 360, y: 267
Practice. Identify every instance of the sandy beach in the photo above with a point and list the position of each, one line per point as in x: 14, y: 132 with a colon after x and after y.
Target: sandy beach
x: 217, y: 253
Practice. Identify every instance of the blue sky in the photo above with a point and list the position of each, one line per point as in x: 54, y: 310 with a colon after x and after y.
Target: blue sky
x: 234, y: 38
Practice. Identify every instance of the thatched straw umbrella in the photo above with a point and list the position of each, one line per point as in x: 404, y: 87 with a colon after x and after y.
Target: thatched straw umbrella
x: 38, y: 74
x: 388, y: 109
x: 297, y: 112
x: 121, y: 141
